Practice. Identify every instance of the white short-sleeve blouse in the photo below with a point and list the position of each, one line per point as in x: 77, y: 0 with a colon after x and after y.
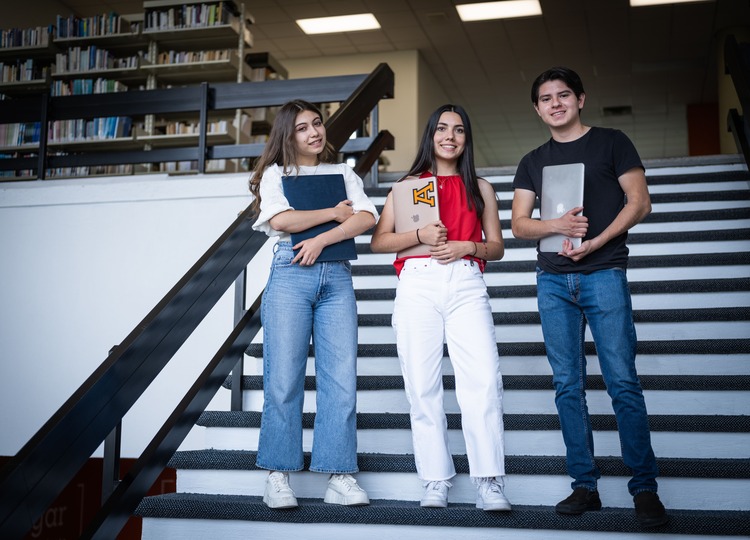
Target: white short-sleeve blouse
x: 273, y: 201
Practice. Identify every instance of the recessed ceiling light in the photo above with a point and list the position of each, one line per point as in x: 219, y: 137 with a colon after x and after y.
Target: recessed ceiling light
x: 499, y: 10
x: 639, y: 3
x: 344, y: 23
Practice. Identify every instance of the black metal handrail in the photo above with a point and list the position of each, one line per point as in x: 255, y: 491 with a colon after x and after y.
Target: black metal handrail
x: 737, y: 65
x: 33, y: 479
x: 204, y: 99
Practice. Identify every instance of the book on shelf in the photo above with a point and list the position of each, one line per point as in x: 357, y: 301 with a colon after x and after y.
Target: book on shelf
x: 94, y: 170
x: 192, y: 57
x: 95, y: 26
x: 164, y: 17
x: 87, y: 86
x: 82, y: 130
x: 92, y: 58
x: 217, y: 127
x: 22, y: 70
x: 27, y: 37
x: 19, y: 134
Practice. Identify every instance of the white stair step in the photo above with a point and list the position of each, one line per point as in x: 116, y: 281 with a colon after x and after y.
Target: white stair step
x: 517, y: 443
x: 494, y: 279
x: 200, y: 529
x: 519, y: 333
x: 699, y: 187
x: 676, y: 493
x: 660, y: 402
x: 706, y: 364
x: 640, y: 301
x: 685, y: 226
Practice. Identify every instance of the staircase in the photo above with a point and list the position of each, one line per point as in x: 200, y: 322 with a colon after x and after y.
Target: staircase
x: 690, y: 279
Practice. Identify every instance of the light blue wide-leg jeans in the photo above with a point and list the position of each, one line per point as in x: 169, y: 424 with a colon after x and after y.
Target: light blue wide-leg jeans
x: 300, y: 302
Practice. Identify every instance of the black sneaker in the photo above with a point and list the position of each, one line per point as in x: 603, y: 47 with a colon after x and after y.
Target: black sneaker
x: 580, y: 501
x: 649, y: 510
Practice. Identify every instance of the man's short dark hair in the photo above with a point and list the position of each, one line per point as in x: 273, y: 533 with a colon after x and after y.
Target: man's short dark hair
x: 568, y: 76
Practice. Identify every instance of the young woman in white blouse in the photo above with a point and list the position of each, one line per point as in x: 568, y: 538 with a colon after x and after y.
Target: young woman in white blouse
x: 306, y: 298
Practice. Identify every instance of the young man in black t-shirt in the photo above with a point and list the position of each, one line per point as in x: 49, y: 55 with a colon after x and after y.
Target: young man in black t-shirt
x: 588, y: 285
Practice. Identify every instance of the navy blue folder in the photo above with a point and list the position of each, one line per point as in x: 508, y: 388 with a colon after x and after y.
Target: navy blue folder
x: 313, y: 192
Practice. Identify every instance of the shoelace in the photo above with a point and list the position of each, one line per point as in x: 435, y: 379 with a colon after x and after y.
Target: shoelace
x: 438, y: 485
x: 278, y: 482
x: 348, y: 481
x: 492, y: 486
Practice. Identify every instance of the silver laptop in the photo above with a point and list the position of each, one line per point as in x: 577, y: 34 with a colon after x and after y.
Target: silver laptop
x: 562, y: 189
x: 415, y: 204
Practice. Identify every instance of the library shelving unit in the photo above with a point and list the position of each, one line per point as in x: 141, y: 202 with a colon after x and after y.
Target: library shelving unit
x: 101, y: 48
x: 189, y: 42
x: 25, y: 56
x: 171, y: 44
x: 264, y: 68
x: 96, y: 55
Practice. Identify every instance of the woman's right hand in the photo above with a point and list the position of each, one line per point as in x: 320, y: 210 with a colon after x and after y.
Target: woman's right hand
x: 433, y: 234
x: 343, y: 211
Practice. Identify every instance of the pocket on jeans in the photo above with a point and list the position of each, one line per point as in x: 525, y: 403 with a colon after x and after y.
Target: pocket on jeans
x: 283, y: 257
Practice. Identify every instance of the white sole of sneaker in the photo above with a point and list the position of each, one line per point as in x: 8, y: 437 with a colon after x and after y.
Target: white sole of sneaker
x: 332, y: 497
x: 283, y: 504
x: 434, y: 504
x: 499, y: 507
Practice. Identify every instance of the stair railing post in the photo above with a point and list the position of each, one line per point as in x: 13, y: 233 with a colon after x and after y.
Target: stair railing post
x: 240, y: 286
x: 44, y: 110
x: 374, y: 130
x: 203, y: 127
x: 111, y: 461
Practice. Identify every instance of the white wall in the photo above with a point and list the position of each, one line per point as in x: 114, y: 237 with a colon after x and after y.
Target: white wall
x: 83, y: 262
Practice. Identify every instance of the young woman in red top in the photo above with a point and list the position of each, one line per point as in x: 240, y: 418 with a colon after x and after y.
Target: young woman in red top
x: 442, y: 298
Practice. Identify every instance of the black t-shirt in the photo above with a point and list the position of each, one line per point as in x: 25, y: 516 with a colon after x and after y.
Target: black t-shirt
x: 606, y: 154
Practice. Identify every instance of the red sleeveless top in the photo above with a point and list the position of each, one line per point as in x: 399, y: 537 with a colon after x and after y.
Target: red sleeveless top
x: 461, y: 221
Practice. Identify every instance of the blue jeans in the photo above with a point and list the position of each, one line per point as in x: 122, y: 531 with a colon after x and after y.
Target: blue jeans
x: 567, y: 302
x: 300, y: 302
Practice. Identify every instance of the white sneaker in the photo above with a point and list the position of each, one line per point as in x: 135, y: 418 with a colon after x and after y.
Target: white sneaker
x: 278, y: 494
x: 343, y: 489
x: 435, y: 494
x: 490, y: 496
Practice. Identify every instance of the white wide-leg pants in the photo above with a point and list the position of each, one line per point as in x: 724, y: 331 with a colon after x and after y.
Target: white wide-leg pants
x: 437, y: 303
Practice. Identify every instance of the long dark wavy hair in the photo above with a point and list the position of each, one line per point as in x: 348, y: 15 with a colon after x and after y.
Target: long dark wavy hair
x: 425, y: 160
x: 281, y: 148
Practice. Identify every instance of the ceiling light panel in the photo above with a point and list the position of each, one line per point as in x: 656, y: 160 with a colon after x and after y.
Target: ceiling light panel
x: 344, y: 23
x: 498, y: 10
x: 639, y: 3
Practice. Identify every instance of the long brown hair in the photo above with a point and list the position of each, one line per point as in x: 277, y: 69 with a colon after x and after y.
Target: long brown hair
x: 281, y: 148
